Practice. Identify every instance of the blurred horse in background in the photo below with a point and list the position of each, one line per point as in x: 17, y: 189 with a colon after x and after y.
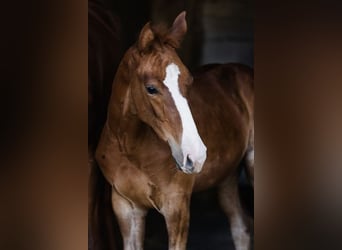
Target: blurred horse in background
x: 104, y: 54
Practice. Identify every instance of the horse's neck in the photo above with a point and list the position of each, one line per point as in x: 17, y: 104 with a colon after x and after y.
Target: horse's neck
x: 127, y: 129
x: 122, y: 118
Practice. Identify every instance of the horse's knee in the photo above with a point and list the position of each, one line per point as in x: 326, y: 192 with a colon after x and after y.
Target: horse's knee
x: 175, y: 203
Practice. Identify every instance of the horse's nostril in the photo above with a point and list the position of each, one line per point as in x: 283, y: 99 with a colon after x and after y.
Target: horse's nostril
x: 189, y: 162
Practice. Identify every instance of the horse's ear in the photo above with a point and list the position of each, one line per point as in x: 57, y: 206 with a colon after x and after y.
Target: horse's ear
x: 178, y: 29
x: 146, y: 37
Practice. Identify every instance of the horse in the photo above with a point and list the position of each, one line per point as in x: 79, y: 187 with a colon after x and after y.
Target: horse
x: 169, y: 133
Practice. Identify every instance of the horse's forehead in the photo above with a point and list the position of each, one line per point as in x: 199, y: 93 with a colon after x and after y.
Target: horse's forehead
x: 154, y: 64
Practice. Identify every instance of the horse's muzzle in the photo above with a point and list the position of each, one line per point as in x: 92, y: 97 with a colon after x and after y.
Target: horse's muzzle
x: 186, y: 165
x: 189, y: 160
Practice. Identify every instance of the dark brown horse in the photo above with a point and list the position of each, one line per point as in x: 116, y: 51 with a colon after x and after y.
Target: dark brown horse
x: 104, y: 53
x: 169, y: 133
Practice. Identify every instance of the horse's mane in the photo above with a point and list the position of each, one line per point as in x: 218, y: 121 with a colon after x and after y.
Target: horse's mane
x: 162, y: 37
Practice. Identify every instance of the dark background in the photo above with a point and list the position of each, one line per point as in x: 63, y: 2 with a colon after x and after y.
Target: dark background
x: 44, y: 150
x: 218, y: 30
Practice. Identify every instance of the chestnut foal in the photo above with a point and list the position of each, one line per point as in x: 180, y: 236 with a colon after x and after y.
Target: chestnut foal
x: 168, y: 134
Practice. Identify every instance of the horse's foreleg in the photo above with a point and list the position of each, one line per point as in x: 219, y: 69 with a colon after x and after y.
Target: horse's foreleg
x: 239, y: 223
x: 131, y: 219
x: 176, y: 214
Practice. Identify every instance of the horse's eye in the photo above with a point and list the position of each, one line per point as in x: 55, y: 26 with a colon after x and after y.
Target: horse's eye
x: 151, y: 90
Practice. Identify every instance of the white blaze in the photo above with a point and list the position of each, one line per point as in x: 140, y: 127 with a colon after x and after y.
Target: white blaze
x: 192, y: 144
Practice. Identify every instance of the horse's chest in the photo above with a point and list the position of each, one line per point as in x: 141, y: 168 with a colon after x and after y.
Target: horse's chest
x: 135, y: 185
x: 140, y: 176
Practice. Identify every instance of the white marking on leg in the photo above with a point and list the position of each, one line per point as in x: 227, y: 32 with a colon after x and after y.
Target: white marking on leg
x: 192, y: 143
x: 250, y: 158
x: 239, y: 233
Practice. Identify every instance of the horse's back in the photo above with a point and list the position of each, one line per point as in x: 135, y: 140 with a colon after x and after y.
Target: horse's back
x: 222, y: 104
x: 225, y: 89
x: 232, y: 77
